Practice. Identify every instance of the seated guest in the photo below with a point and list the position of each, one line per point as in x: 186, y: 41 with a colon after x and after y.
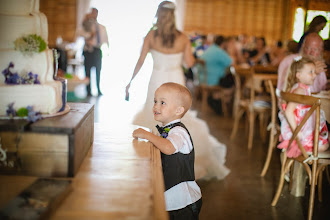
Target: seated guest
x: 292, y: 47
x: 232, y: 47
x: 277, y: 54
x: 312, y: 48
x: 216, y: 60
x: 259, y: 55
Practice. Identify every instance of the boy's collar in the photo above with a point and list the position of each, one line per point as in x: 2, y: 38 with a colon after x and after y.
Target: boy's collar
x: 172, y: 122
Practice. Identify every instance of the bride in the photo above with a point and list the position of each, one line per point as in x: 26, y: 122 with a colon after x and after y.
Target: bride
x: 170, y: 49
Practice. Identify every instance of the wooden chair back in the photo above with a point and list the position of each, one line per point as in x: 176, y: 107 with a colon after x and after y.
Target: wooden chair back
x: 240, y: 76
x: 315, y: 107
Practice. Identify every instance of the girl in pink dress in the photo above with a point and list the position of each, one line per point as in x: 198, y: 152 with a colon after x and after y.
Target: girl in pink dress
x: 300, y: 77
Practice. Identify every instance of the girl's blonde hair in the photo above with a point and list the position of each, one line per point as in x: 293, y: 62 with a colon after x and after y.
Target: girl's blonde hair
x: 165, y: 25
x: 297, y: 64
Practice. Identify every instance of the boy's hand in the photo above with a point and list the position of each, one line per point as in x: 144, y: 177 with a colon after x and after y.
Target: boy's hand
x: 164, y: 145
x: 140, y: 133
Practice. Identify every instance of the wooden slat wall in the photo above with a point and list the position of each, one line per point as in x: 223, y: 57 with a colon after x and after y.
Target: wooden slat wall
x: 233, y: 17
x: 320, y: 5
x: 61, y: 16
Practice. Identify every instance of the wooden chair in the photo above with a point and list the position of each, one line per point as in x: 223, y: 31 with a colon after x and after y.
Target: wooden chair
x: 201, y: 88
x: 249, y: 103
x: 318, y: 161
x: 273, y: 127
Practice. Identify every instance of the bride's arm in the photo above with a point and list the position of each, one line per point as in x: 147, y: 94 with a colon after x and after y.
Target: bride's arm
x: 143, y: 54
x: 188, y: 57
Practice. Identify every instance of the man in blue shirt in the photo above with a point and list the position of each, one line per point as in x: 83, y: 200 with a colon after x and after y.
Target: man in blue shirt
x: 216, y: 60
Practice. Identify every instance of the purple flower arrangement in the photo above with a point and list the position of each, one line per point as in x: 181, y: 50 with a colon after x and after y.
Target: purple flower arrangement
x: 28, y: 112
x: 15, y: 79
x: 10, y: 110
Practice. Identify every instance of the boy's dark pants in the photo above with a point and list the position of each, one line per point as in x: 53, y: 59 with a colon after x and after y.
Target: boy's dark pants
x: 189, y: 212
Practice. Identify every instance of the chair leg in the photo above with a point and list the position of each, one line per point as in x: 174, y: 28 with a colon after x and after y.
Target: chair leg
x: 271, y: 146
x: 291, y: 177
x: 285, y: 166
x: 236, y: 122
x: 261, y: 126
x: 224, y: 107
x: 197, y: 92
x: 320, y: 185
x: 204, y: 100
x: 327, y: 172
x: 312, y: 191
x: 251, y: 129
x: 263, y: 121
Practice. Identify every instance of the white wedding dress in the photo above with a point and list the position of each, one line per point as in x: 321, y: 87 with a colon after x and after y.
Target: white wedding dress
x: 210, y: 155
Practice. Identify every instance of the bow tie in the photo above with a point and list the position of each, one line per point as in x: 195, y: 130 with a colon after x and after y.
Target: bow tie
x: 163, y: 131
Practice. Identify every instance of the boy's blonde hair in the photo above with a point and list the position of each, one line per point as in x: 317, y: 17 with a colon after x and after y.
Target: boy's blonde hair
x: 297, y: 64
x: 183, y: 94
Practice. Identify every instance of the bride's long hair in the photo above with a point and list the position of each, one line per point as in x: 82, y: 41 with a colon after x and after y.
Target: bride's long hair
x: 165, y: 25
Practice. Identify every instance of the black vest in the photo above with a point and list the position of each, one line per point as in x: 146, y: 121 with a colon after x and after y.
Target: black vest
x: 178, y: 167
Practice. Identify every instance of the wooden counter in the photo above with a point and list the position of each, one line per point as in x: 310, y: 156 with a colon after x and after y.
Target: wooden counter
x: 120, y: 178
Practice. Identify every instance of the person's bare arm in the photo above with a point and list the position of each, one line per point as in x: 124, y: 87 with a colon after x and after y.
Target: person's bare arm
x: 289, y: 111
x: 143, y: 54
x: 189, y: 59
x: 164, y: 145
x: 320, y: 66
x: 106, y: 36
x: 259, y: 55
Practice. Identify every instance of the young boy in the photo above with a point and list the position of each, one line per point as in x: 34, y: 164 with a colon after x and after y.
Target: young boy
x: 182, y: 194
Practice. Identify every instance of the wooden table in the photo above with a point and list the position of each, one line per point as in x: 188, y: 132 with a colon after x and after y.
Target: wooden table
x: 265, y: 69
x: 120, y: 178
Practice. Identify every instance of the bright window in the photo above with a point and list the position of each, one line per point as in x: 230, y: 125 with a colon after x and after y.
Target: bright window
x: 298, y: 26
x: 299, y: 21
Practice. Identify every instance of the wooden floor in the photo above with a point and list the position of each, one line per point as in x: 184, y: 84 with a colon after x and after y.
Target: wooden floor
x: 243, y: 194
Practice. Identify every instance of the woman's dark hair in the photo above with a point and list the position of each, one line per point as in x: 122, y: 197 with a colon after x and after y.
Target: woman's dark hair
x: 327, y: 45
x: 315, y: 22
